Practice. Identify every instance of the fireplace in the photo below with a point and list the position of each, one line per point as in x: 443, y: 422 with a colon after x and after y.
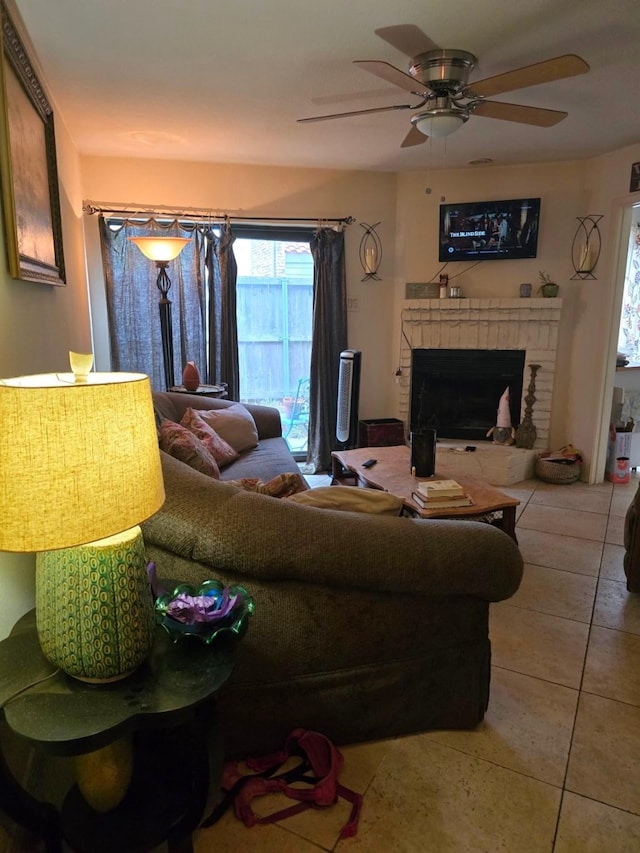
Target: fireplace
x: 456, y: 391
x: 529, y: 326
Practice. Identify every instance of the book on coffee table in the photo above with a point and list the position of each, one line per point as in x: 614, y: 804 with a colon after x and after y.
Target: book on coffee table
x: 439, y: 489
x: 441, y: 503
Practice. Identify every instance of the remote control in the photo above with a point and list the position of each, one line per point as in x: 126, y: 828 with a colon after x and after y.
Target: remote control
x: 369, y: 463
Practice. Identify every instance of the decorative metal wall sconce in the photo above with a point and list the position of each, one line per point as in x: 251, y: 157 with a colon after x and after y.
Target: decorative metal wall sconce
x: 585, y: 249
x: 370, y: 251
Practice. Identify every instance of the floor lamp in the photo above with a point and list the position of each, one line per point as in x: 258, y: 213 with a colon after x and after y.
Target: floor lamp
x: 162, y: 250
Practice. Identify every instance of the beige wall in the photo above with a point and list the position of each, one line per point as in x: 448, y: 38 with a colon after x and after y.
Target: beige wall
x: 40, y: 324
x: 594, y: 342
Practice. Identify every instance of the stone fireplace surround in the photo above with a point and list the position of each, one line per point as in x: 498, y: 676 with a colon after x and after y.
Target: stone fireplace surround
x: 501, y: 324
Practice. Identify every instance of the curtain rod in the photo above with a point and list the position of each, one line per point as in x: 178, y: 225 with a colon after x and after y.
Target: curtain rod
x: 93, y: 207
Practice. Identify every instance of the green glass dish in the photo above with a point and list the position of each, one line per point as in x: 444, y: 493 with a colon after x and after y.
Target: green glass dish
x: 235, y: 622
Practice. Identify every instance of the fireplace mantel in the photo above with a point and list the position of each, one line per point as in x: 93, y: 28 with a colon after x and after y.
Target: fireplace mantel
x: 523, y: 324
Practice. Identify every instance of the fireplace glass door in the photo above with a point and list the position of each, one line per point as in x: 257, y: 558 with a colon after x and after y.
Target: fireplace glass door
x: 457, y: 392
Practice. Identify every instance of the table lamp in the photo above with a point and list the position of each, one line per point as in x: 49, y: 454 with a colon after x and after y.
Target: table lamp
x: 79, y: 470
x: 162, y: 250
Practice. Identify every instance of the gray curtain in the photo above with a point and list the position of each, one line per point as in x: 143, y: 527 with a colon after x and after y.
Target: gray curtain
x: 132, y: 299
x: 329, y: 339
x: 223, y: 327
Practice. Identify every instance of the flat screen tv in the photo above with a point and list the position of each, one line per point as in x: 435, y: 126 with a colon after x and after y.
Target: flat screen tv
x: 489, y: 230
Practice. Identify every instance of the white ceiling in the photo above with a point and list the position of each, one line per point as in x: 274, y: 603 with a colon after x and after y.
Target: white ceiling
x: 225, y: 80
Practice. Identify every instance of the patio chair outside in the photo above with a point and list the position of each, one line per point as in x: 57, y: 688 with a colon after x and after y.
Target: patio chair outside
x: 299, y: 409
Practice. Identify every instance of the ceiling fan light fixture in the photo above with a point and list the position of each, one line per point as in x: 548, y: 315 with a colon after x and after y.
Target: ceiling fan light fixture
x: 439, y: 123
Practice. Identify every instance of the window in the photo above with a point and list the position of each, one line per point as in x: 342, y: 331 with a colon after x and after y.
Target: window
x: 274, y: 317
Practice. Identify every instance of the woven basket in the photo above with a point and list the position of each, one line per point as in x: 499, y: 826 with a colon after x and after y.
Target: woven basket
x: 557, y: 472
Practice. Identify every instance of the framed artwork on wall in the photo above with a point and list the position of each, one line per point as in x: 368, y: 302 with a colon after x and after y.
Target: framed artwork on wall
x: 30, y: 194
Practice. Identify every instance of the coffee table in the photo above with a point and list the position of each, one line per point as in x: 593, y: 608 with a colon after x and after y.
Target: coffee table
x: 392, y: 473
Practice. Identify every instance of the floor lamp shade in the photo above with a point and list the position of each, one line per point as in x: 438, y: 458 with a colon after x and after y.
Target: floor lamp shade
x: 80, y: 463
x: 160, y: 248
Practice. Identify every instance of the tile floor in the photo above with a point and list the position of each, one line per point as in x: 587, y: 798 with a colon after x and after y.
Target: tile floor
x: 555, y: 766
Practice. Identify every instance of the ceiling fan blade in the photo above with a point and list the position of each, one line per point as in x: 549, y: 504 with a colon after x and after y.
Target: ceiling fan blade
x: 414, y: 137
x: 392, y: 75
x: 407, y: 38
x: 530, y: 75
x: 356, y: 113
x: 518, y: 112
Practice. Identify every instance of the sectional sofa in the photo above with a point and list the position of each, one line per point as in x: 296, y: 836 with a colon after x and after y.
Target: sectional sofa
x: 366, y: 625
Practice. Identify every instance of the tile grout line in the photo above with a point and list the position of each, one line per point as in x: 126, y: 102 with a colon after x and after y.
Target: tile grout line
x: 563, y: 789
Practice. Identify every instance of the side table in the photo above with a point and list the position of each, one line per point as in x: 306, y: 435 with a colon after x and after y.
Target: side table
x: 167, y: 705
x: 202, y: 390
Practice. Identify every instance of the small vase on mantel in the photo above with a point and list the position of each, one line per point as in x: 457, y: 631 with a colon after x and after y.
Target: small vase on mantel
x: 191, y: 376
x: 548, y: 287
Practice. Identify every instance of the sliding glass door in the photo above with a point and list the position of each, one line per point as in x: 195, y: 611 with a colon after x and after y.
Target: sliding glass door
x: 274, y: 316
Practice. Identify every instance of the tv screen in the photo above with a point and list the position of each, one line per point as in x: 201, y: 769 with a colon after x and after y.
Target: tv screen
x: 489, y: 230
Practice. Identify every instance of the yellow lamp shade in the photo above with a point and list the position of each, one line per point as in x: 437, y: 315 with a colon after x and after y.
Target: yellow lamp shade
x: 160, y: 248
x: 78, y: 461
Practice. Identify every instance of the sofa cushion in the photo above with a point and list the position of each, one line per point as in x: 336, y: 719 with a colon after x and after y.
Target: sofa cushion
x: 270, y: 458
x: 234, y: 424
x: 179, y: 442
x: 220, y: 449
x: 350, y: 499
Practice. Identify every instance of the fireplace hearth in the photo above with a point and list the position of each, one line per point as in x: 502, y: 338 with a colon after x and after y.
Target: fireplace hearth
x: 457, y: 391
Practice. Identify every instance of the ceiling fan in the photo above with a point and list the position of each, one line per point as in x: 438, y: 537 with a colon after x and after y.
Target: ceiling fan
x: 440, y: 78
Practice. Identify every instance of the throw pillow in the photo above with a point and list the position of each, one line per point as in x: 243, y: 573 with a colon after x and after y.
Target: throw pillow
x: 178, y: 442
x: 235, y: 424
x: 350, y: 499
x: 280, y: 486
x: 220, y: 449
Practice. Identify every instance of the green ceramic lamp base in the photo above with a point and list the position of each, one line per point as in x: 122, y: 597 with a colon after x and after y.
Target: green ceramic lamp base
x: 94, y: 607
